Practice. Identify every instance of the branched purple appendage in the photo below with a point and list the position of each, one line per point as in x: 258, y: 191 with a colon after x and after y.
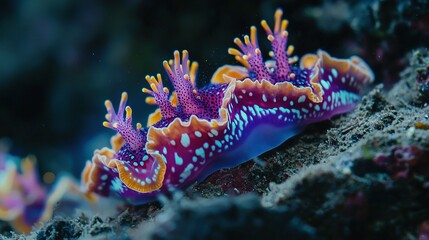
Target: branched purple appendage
x: 180, y: 77
x: 250, y: 55
x: 160, y: 94
x: 123, y: 126
x: 278, y: 40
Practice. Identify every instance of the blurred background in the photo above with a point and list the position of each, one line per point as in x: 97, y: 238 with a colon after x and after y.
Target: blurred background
x: 60, y: 59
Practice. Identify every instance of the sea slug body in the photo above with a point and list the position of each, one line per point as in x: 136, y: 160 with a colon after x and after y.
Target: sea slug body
x: 244, y: 112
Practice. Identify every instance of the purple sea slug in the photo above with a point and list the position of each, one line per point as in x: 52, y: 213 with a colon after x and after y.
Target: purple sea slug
x: 242, y: 113
x: 24, y: 201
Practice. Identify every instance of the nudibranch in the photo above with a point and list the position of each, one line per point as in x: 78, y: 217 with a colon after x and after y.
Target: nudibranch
x: 23, y: 200
x: 242, y: 113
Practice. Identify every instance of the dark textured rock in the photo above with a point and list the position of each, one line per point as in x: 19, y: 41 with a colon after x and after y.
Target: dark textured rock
x: 228, y: 218
x: 59, y: 229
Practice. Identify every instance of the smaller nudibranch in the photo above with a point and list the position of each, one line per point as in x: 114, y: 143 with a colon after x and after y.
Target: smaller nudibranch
x: 24, y: 202
x: 145, y: 162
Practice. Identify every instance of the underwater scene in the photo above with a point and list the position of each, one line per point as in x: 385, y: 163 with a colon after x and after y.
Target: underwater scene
x: 214, y: 119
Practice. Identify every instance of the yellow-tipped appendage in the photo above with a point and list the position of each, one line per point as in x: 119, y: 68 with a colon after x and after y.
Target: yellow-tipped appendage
x: 107, y: 124
x: 111, y: 111
x: 279, y: 26
x: 278, y: 17
x: 124, y: 98
x: 155, y: 84
x: 253, y: 37
x: 129, y: 113
x: 150, y: 100
x: 249, y: 41
x: 108, y: 116
x: 267, y: 28
x: 139, y: 126
x: 239, y: 56
x: 290, y: 50
x: 179, y: 69
x: 108, y: 105
x: 188, y: 68
x: 157, y: 87
x: 193, y: 73
x: 185, y: 61
x: 182, y: 66
x: 177, y: 58
x: 167, y: 66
